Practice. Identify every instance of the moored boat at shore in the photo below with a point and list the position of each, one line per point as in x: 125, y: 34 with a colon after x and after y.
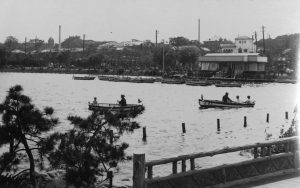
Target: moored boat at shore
x: 172, y: 81
x: 198, y: 83
x: 84, y: 77
x: 220, y: 104
x: 228, y: 85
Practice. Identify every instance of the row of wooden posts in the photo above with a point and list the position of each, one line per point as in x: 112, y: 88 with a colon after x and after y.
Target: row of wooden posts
x: 218, y: 125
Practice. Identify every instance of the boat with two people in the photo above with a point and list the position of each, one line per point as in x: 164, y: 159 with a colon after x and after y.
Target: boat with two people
x: 226, y: 102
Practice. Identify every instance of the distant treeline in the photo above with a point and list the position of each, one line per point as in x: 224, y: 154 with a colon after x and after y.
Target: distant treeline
x: 180, y: 54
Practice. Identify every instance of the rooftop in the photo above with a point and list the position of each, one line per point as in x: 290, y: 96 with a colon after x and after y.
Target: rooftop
x: 243, y: 38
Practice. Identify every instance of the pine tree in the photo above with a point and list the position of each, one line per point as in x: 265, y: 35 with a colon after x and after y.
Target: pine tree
x: 91, y: 148
x: 22, y: 127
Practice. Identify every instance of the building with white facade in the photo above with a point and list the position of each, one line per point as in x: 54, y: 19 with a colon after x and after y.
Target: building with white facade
x: 243, y: 44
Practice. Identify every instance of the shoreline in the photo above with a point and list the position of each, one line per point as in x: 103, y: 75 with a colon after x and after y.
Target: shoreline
x: 97, y: 73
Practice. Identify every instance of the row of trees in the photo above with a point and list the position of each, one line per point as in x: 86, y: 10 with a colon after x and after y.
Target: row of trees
x: 87, y: 152
x: 180, y: 52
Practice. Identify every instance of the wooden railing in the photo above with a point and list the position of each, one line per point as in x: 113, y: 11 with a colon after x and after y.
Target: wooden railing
x: 271, y: 154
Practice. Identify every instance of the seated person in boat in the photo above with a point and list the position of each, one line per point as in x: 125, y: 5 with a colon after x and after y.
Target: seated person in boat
x: 248, y: 100
x: 237, y: 98
x: 226, y: 98
x: 122, y: 102
x: 95, y: 100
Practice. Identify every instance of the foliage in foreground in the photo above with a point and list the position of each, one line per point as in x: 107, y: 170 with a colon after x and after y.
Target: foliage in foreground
x: 91, y: 149
x: 22, y: 127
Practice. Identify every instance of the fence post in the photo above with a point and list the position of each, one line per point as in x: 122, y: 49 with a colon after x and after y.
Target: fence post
x: 110, y: 177
x: 174, y: 167
x: 267, y: 118
x: 218, y: 124
x: 138, y: 171
x: 296, y: 154
x: 286, y: 115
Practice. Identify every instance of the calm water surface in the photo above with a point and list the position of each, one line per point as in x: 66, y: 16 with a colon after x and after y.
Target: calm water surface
x: 167, y: 106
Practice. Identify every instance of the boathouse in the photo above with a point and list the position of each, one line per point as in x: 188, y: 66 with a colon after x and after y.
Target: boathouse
x: 233, y: 65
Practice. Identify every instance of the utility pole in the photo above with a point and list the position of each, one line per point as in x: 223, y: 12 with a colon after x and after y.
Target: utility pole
x: 199, y: 30
x: 255, y: 34
x: 35, y: 44
x: 263, y: 32
x: 25, y: 45
x: 156, y: 32
x: 83, y: 43
x: 163, y: 57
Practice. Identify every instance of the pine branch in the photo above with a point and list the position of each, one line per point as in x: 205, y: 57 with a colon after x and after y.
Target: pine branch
x: 21, y: 172
x: 25, y: 149
x: 32, y: 140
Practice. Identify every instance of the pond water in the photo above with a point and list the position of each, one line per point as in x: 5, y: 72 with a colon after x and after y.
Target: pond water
x: 167, y: 106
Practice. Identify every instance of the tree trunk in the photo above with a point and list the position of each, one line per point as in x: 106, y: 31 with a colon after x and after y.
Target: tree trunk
x: 31, y: 160
x: 11, y: 145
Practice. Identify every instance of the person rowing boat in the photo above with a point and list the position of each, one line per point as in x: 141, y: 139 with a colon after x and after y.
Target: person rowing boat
x: 226, y: 99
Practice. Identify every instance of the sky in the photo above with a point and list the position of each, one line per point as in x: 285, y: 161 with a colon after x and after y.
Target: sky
x: 123, y: 20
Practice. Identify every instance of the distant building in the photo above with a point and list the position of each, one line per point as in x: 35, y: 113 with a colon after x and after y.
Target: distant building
x: 228, y: 48
x: 244, y: 44
x: 121, y: 45
x: 212, y: 45
x: 51, y: 42
x: 233, y: 64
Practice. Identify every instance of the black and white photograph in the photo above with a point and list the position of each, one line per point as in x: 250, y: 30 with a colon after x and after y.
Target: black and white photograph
x: 149, y: 93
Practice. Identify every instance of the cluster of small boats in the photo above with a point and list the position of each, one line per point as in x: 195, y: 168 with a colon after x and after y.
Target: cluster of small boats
x: 127, y: 79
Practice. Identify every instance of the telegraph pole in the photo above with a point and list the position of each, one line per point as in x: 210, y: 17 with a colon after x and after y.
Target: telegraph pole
x: 199, y: 30
x: 25, y: 45
x: 163, y: 58
x: 263, y: 32
x: 255, y: 34
x: 83, y: 43
x: 156, y: 32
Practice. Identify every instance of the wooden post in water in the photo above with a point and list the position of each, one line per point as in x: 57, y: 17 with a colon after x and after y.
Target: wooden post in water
x: 267, y: 118
x: 245, y: 121
x: 144, y: 134
x: 183, y: 128
x: 111, y: 136
x: 286, y: 115
x: 138, y: 171
x: 218, y: 124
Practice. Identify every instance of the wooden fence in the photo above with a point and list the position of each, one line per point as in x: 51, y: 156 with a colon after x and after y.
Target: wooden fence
x: 270, y: 159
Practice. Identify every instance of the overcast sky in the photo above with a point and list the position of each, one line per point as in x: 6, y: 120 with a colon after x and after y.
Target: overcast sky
x: 122, y: 20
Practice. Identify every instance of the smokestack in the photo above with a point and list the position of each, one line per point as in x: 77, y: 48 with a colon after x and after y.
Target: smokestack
x: 59, y: 47
x: 199, y: 30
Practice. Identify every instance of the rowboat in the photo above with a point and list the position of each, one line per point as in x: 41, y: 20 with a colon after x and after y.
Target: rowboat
x: 228, y: 85
x: 172, y: 81
x: 198, y: 83
x: 84, y: 77
x: 104, y: 107
x: 220, y: 104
